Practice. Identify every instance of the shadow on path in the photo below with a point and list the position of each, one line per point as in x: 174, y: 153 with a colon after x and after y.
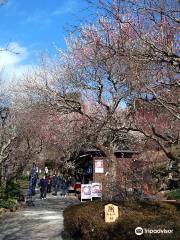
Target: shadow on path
x: 43, y: 221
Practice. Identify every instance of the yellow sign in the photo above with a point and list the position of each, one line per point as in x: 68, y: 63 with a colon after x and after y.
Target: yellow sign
x: 111, y: 213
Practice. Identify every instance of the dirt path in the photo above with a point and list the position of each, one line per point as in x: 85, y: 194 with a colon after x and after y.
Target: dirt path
x: 43, y: 221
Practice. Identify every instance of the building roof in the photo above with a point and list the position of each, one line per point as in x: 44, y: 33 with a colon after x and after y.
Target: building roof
x: 116, y: 151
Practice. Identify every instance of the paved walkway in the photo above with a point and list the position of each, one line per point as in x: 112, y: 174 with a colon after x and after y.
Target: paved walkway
x: 43, y: 221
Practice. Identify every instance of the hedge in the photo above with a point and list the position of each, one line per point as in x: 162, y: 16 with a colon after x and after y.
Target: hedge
x: 174, y: 194
x: 86, y: 221
x: 10, y: 204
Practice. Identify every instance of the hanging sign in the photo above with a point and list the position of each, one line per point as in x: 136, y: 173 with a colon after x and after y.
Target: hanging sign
x: 99, y: 168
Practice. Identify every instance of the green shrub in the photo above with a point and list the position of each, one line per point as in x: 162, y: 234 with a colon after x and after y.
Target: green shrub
x: 23, y: 182
x: 12, y: 190
x: 2, y: 191
x: 86, y: 221
x: 174, y: 194
x: 8, y: 204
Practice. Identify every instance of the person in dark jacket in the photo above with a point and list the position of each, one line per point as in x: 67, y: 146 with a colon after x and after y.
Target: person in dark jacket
x: 55, y: 184
x: 64, y: 187
x: 43, y: 187
x: 49, y: 183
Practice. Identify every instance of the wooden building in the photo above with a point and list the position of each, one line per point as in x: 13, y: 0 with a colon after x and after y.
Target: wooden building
x: 94, y: 167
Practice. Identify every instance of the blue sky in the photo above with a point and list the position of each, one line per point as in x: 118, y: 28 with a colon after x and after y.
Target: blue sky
x: 32, y: 26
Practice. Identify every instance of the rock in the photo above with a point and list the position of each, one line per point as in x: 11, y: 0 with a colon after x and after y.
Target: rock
x: 2, y: 210
x: 162, y: 195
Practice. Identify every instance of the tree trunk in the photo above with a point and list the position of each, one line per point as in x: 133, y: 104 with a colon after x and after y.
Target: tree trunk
x: 174, y: 170
x: 111, y: 178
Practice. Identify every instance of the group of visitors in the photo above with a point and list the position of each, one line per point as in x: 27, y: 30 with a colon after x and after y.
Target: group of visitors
x: 49, y: 183
x: 53, y: 184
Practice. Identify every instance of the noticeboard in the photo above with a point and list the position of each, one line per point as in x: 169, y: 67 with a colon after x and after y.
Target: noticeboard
x: 96, y: 190
x: 86, y: 192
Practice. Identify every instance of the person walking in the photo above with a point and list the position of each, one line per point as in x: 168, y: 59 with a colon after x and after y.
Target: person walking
x: 64, y: 188
x: 49, y: 183
x: 43, y: 187
x: 55, y: 184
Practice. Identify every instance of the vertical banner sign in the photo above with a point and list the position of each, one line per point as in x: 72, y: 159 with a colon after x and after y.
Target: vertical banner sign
x: 96, y: 190
x: 86, y: 191
x: 99, y: 168
x: 32, y: 181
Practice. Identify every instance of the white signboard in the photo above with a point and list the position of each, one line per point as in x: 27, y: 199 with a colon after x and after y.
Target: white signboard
x: 99, y: 168
x: 96, y: 190
x: 86, y: 191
